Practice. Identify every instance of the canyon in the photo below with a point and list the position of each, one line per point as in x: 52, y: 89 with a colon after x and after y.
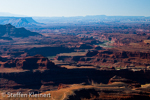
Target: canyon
x: 77, y: 61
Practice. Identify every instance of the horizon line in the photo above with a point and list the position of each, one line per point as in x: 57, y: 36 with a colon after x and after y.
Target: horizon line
x: 75, y: 16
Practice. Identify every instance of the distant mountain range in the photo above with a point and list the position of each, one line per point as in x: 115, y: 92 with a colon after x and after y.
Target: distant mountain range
x: 22, y: 21
x: 92, y: 19
x: 6, y: 14
x: 7, y: 31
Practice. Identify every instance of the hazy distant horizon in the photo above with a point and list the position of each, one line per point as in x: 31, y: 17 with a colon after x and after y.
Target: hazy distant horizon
x: 7, y: 14
x: 69, y: 8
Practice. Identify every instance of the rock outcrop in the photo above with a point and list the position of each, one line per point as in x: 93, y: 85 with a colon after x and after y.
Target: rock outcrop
x: 31, y: 62
x: 7, y: 84
x: 85, y: 46
x: 127, y: 81
x: 91, y: 53
x: 117, y: 58
x: 19, y: 21
x: 8, y: 30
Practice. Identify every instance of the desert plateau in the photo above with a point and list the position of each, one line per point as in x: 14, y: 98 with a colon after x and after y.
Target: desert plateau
x: 70, y: 57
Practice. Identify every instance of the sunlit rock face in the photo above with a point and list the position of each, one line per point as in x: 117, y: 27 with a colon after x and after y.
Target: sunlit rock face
x: 31, y: 62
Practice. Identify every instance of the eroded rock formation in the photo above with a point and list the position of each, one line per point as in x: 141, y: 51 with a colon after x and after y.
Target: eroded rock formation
x: 31, y: 62
x: 124, y: 80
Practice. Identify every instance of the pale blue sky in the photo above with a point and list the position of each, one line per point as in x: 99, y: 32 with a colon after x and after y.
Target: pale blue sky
x: 76, y: 7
